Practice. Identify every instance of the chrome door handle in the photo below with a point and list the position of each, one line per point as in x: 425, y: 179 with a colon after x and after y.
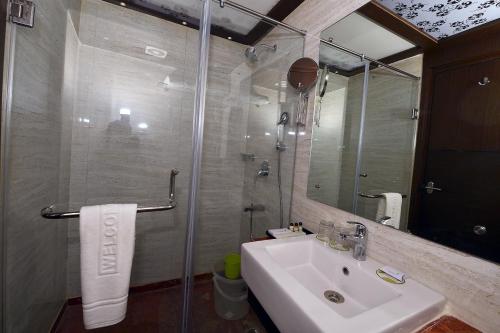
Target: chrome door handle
x: 479, y: 230
x: 429, y: 187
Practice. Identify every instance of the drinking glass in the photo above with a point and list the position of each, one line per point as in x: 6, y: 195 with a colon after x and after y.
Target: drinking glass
x: 325, y: 229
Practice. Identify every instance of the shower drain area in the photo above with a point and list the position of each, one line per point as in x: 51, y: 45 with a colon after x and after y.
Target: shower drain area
x: 334, y: 296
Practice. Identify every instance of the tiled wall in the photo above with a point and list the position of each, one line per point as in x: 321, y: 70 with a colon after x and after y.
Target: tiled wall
x: 38, y: 166
x: 471, y: 285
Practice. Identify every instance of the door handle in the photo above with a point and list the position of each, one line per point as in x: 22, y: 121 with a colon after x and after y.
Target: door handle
x: 479, y: 230
x: 429, y: 187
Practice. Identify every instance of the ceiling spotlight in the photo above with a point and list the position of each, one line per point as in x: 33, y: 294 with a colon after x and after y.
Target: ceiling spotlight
x: 184, y: 23
x: 143, y: 125
x: 230, y: 38
x: 123, y: 4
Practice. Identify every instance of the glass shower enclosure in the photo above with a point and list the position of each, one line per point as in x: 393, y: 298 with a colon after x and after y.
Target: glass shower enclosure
x: 100, y: 103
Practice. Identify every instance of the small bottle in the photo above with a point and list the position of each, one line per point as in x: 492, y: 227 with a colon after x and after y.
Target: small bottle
x: 300, y: 227
x: 291, y: 227
x: 296, y: 227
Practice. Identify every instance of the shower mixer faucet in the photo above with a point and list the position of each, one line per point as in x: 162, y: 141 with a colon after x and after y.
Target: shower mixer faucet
x: 264, y: 169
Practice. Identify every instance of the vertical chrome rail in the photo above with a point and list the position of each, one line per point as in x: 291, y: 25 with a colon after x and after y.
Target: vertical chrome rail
x: 7, y: 96
x: 198, y: 122
x: 361, y: 137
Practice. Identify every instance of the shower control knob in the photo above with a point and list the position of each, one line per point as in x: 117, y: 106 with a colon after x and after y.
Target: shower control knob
x: 317, y: 186
x: 479, y: 230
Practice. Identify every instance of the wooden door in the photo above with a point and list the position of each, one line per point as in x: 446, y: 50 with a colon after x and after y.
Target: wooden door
x: 463, y: 161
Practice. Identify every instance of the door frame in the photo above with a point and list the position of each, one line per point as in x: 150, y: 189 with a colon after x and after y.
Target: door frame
x: 475, y: 45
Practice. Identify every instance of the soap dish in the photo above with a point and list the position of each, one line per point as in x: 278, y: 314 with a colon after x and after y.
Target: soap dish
x: 387, y: 278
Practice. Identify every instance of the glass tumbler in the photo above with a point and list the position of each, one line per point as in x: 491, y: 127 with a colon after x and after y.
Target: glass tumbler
x: 337, y: 241
x: 325, y: 229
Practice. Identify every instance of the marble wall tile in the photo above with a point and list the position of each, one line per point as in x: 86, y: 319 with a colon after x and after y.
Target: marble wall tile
x: 471, y: 285
x: 44, y: 83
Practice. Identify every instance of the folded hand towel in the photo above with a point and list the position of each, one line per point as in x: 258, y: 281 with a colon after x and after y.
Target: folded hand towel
x: 390, y: 205
x: 107, y: 237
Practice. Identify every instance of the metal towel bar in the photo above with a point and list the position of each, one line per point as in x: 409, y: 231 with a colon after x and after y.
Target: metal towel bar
x: 48, y: 212
x: 376, y: 196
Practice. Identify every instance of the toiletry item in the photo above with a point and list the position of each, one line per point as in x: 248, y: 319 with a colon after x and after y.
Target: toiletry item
x: 325, y: 229
x: 291, y: 227
x: 284, y: 233
x: 300, y: 227
x: 296, y: 227
x: 400, y: 276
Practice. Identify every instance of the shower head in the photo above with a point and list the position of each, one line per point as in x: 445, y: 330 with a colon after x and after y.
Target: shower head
x: 251, y: 51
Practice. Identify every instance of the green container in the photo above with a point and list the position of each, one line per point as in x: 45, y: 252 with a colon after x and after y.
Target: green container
x: 232, y: 264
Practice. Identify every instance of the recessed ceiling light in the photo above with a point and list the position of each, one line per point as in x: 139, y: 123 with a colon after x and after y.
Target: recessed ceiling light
x: 184, y: 23
x: 123, y: 4
x: 230, y: 38
x: 143, y: 125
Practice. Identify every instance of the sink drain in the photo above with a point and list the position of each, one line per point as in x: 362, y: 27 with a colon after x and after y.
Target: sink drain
x: 334, y: 296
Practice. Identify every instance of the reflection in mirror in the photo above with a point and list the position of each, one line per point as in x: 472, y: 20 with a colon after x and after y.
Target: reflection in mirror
x: 384, y: 100
x: 366, y: 157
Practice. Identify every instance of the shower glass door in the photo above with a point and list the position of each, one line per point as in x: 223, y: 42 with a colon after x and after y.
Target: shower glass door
x: 99, y: 110
x: 246, y: 94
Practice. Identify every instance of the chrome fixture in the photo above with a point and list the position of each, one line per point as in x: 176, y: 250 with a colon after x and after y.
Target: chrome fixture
x: 22, y: 12
x: 479, y: 230
x: 48, y: 212
x: 359, y: 238
x: 364, y: 57
x: 253, y: 208
x: 254, y: 13
x: 330, y: 43
x: 383, y: 220
x: 284, y: 119
x: 251, y: 51
x: 173, y: 173
x: 429, y: 187
x: 264, y: 169
x: 414, y: 114
x: 485, y: 81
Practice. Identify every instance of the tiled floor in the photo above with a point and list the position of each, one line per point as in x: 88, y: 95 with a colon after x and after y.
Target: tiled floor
x: 160, y: 311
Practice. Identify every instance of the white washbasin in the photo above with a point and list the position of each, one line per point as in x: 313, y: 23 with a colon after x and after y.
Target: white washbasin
x: 290, y: 276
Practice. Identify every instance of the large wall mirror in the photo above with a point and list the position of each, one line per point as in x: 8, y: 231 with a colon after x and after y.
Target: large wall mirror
x: 415, y: 146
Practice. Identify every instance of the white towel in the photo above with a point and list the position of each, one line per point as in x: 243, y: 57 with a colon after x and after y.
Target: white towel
x: 390, y: 205
x: 107, y: 237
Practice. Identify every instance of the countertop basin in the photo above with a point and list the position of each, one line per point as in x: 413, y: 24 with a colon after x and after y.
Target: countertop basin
x: 306, y: 286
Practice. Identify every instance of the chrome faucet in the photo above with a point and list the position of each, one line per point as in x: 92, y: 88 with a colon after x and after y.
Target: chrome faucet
x: 264, y: 169
x: 359, y: 239
x: 383, y: 220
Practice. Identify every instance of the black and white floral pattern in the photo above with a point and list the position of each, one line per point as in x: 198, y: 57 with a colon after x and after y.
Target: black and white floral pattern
x: 443, y: 18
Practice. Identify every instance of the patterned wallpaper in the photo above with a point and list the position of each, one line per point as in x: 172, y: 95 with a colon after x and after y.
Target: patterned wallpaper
x: 444, y: 18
